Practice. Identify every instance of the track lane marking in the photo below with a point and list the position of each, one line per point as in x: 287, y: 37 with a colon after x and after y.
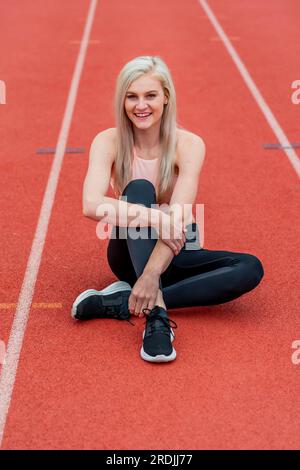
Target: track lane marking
x: 272, y: 121
x: 14, y: 345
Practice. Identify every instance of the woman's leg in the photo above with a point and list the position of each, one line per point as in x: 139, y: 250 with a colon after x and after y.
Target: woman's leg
x: 119, y: 258
x: 141, y: 191
x: 127, y: 257
x: 207, y: 277
x: 194, y: 277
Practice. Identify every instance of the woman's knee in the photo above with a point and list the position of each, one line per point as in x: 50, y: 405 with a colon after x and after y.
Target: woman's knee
x: 140, y: 191
x: 253, y: 267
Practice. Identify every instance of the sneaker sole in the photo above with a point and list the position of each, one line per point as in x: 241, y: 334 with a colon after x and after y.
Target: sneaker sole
x: 112, y: 289
x: 159, y: 357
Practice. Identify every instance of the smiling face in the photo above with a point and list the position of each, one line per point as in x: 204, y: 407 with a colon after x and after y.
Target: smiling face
x: 144, y: 101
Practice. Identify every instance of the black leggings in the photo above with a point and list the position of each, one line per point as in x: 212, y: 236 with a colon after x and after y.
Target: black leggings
x: 195, y: 277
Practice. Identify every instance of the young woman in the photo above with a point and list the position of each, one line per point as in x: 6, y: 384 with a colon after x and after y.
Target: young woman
x: 153, y: 166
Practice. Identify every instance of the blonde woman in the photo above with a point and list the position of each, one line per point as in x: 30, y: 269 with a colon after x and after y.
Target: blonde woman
x: 154, y: 165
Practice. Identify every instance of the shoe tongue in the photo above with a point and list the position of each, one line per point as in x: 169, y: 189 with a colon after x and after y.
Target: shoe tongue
x: 162, y: 311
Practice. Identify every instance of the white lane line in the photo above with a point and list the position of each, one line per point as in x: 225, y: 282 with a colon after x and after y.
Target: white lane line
x: 273, y: 123
x: 14, y: 345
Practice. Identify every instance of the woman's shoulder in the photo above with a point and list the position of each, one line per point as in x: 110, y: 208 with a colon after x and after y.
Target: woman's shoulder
x: 185, y: 140
x: 112, y: 135
x: 107, y: 139
x: 185, y: 137
x: 108, y: 134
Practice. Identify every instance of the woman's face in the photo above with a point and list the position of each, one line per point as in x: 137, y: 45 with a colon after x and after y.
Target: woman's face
x: 145, y: 96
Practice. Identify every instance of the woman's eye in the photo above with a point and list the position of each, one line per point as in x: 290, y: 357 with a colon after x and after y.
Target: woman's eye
x: 131, y: 96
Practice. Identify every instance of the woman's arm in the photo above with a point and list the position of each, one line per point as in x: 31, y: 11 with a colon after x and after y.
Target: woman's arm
x: 160, y: 259
x: 184, y: 194
x: 95, y: 204
x: 122, y: 213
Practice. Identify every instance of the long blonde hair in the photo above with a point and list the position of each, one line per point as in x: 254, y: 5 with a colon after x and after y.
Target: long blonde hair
x: 131, y: 71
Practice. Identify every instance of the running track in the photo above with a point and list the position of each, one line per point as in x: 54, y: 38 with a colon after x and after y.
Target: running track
x: 84, y: 386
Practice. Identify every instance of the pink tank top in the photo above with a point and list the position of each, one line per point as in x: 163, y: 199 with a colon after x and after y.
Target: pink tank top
x: 144, y: 169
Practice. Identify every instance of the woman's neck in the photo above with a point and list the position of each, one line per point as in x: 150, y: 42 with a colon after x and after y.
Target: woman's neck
x: 148, y: 153
x: 147, y: 141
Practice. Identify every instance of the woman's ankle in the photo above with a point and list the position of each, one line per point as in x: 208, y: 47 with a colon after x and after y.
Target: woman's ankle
x: 160, y: 300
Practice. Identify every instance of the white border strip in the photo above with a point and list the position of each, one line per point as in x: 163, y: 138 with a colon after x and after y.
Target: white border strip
x: 273, y: 123
x: 15, y: 341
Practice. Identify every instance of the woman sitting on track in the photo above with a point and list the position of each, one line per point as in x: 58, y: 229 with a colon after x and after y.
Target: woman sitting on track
x: 154, y: 251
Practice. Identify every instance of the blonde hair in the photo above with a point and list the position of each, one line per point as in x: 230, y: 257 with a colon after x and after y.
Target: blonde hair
x: 131, y: 71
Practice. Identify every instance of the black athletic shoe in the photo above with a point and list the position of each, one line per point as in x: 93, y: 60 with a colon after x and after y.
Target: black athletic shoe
x: 111, y: 302
x: 158, y: 336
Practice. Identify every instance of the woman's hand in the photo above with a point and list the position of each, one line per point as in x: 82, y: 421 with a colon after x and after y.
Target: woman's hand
x: 171, y: 231
x: 143, y: 293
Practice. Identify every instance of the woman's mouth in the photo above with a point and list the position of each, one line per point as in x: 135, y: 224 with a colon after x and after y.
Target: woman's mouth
x: 142, y: 116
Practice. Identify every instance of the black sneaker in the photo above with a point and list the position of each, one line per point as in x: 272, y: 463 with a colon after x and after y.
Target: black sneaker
x: 158, y: 336
x: 111, y: 302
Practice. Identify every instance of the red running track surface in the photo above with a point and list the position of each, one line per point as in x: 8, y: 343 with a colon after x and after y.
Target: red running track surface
x: 84, y: 386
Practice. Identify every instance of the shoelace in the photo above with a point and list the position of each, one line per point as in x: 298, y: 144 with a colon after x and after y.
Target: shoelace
x: 167, y: 322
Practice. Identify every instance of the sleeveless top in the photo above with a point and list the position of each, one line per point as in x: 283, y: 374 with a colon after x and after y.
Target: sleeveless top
x: 148, y: 169
x: 145, y: 169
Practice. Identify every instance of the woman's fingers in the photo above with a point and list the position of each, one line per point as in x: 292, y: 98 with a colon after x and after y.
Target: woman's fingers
x: 132, y: 304
x: 144, y: 305
x: 179, y: 245
x: 151, y: 303
x: 143, y: 302
x: 174, y: 245
x: 138, y: 306
x: 171, y: 245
